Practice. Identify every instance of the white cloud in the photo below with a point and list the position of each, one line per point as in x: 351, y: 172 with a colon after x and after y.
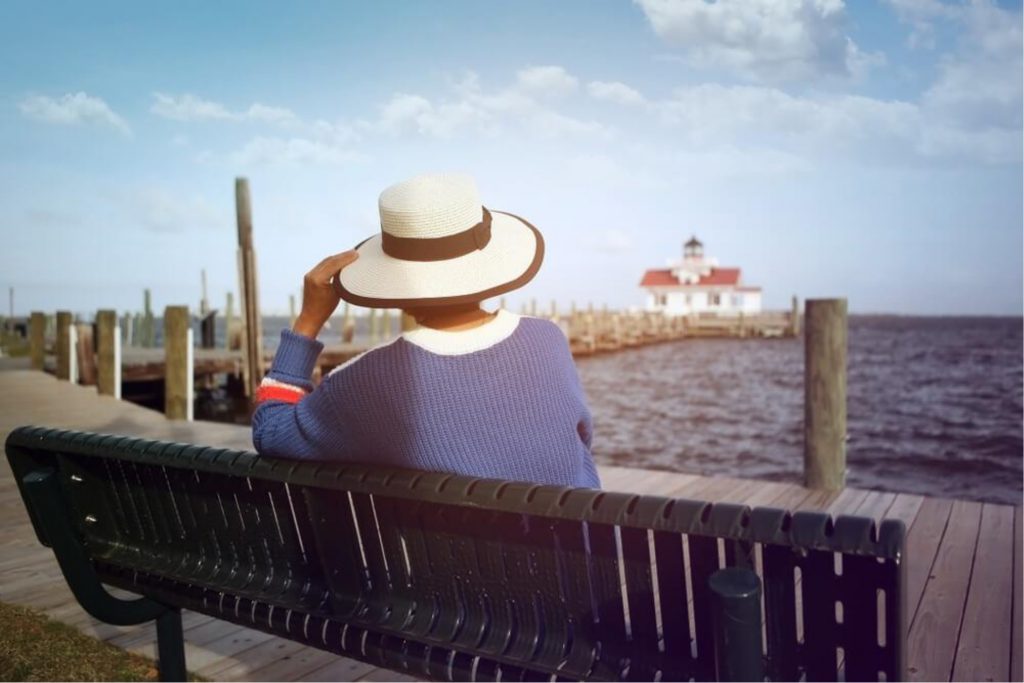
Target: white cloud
x: 922, y: 16
x: 72, y: 109
x: 267, y: 151
x: 849, y: 127
x: 471, y: 108
x: 189, y: 107
x: 157, y: 209
x: 546, y: 80
x: 771, y: 40
x: 979, y: 85
x: 613, y: 91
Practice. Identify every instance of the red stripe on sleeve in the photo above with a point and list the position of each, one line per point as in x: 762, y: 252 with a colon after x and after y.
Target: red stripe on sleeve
x: 272, y: 393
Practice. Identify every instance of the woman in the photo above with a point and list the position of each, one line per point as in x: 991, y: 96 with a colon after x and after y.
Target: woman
x: 469, y: 392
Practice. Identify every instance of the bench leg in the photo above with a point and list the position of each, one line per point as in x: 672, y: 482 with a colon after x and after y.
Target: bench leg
x: 170, y: 643
x: 736, y: 613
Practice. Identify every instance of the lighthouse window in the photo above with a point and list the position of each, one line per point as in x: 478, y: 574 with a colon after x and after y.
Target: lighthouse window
x: 714, y: 299
x: 660, y: 299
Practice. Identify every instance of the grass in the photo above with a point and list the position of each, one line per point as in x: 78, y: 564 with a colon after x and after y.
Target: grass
x: 34, y: 647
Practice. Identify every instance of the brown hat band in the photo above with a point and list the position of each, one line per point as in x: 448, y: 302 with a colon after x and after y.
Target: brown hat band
x: 438, y: 248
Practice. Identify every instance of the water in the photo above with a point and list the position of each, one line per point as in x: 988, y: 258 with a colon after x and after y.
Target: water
x: 934, y: 406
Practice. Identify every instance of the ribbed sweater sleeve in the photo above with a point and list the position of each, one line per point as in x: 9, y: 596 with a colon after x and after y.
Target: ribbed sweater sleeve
x: 292, y: 419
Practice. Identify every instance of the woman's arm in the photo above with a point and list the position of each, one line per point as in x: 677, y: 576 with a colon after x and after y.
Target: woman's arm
x: 291, y: 418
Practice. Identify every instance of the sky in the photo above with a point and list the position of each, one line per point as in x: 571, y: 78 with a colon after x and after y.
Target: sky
x: 867, y: 149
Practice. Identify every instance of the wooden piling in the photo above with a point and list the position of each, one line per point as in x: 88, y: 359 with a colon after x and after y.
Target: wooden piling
x: 148, y: 332
x: 37, y: 339
x: 108, y: 354
x: 348, y: 326
x: 64, y: 345
x: 825, y: 394
x: 178, y: 361
x: 371, y: 323
x: 291, y: 310
x: 85, y: 353
x: 252, y: 335
x: 794, y: 317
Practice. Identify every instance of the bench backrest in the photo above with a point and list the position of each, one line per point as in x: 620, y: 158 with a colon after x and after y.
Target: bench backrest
x: 455, y: 578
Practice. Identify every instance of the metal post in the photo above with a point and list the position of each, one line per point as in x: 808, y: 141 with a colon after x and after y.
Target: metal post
x: 170, y: 642
x: 736, y: 614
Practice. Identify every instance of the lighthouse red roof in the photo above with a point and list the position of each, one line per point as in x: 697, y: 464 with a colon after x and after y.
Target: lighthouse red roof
x: 664, y: 278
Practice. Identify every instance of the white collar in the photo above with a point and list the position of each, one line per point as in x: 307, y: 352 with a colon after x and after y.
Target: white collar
x: 459, y: 342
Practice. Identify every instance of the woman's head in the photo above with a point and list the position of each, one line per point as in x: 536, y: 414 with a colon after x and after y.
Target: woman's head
x: 441, y: 249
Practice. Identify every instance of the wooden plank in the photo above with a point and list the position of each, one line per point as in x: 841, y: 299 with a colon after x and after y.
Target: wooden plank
x: 766, y: 492
x: 905, y: 508
x: 341, y: 669
x: 983, y: 652
x: 1017, y: 639
x: 923, y: 542
x: 846, y: 502
x: 298, y: 666
x: 875, y: 505
x: 936, y: 627
x: 387, y: 676
x: 241, y: 664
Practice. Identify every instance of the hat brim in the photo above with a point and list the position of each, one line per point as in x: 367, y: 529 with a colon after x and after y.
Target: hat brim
x: 511, y: 258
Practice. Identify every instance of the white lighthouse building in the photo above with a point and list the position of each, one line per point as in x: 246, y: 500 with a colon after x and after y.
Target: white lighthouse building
x: 698, y: 285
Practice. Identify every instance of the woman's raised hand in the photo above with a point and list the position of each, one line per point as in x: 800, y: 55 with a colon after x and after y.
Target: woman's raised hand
x: 319, y: 296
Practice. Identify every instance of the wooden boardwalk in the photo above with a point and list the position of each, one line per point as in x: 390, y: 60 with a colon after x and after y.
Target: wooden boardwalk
x: 963, y: 557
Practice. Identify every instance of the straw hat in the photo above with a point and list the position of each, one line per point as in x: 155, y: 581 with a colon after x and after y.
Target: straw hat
x: 438, y: 245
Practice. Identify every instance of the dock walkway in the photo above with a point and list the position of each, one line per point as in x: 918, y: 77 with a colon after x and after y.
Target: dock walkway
x: 963, y: 557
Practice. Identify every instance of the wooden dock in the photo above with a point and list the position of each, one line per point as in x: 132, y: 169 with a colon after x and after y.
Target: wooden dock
x: 963, y: 557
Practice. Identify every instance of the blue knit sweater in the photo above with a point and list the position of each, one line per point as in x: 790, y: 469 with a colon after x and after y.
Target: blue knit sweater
x: 502, y: 400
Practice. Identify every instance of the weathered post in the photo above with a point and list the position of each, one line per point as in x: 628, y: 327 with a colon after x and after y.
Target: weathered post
x: 501, y: 302
x: 178, y: 362
x: 348, y: 327
x: 108, y: 354
x: 64, y: 349
x: 37, y: 339
x: 794, y: 318
x: 291, y: 310
x: 86, y: 354
x: 252, y: 333
x: 409, y: 322
x: 230, y: 333
x: 148, y: 332
x: 126, y: 329
x: 825, y: 394
x: 372, y: 325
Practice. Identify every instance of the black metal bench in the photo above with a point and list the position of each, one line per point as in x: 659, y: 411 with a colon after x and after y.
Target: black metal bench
x: 453, y: 578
